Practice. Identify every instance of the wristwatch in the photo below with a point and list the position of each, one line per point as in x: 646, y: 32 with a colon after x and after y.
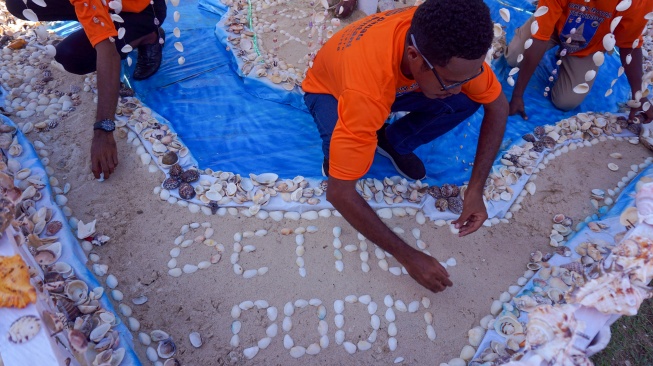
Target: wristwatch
x: 105, y: 125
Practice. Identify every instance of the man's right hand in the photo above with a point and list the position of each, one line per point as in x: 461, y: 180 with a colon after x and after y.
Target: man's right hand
x: 517, y: 107
x: 104, y: 154
x: 427, y: 271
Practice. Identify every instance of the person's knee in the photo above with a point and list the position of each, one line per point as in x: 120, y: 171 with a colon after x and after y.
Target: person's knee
x: 16, y: 7
x: 564, y: 102
x: 71, y: 61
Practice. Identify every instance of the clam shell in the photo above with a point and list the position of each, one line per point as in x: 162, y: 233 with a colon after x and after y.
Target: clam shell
x: 507, y: 326
x: 609, y: 42
x: 582, y: 88
x: 167, y: 348
x: 24, y: 328
x: 505, y: 14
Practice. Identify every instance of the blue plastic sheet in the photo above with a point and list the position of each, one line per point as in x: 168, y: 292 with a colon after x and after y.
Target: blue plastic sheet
x: 72, y: 252
x: 245, y: 126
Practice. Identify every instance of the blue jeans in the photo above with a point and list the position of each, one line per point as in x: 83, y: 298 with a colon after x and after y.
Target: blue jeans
x: 427, y: 120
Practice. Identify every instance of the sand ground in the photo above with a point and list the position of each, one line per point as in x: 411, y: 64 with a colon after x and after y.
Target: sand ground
x: 143, y: 229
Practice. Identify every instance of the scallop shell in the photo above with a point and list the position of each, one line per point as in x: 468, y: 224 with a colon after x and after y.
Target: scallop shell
x: 24, y: 328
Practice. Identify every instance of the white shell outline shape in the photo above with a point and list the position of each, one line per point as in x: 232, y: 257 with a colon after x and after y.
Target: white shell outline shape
x: 598, y: 58
x: 614, y: 23
x: 624, y: 5
x: 505, y: 14
x: 590, y: 75
x: 30, y: 15
x: 121, y: 32
x: 126, y: 49
x: 534, y: 27
x: 609, y: 42
x: 541, y: 11
x: 528, y: 43
x: 40, y: 3
x: 582, y: 88
x: 179, y: 47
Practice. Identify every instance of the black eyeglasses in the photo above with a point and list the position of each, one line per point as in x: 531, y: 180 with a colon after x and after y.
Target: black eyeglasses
x: 444, y: 87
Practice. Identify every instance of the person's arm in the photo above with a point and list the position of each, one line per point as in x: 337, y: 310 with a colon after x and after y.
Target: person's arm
x: 492, y: 129
x: 634, y: 74
x: 104, y: 154
x: 527, y: 66
x: 424, y: 269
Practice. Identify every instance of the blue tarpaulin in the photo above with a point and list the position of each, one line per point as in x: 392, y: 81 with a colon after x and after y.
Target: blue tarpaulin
x: 248, y: 127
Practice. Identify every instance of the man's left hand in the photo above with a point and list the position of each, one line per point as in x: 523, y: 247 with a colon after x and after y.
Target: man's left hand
x: 473, y: 215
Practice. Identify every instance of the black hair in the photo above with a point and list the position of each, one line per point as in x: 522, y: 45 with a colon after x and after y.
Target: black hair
x: 452, y: 28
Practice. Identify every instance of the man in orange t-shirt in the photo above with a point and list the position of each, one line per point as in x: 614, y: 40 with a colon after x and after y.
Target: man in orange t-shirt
x: 582, y: 29
x: 108, y: 27
x: 428, y: 61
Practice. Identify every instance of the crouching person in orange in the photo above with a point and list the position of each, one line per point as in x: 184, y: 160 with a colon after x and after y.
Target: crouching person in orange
x: 428, y: 61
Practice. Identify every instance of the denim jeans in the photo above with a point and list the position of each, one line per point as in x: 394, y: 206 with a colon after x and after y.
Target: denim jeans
x: 427, y: 120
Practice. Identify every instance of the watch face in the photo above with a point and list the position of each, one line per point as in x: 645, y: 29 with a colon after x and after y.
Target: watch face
x: 106, y: 125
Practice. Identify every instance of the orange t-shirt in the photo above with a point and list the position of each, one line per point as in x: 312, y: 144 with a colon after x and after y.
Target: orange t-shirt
x: 94, y: 17
x: 591, y: 22
x: 361, y: 67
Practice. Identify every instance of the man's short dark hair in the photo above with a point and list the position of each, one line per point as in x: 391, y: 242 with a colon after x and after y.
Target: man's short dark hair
x: 452, y: 28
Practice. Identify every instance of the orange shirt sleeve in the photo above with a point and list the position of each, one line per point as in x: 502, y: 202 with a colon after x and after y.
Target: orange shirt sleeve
x: 632, y: 24
x: 353, y: 142
x: 547, y: 22
x: 95, y: 19
x: 484, y: 88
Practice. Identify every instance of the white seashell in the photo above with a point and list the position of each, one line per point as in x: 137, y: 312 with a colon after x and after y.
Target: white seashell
x: 30, y: 15
x: 510, y: 81
x: 175, y: 272
x: 624, y: 5
x: 179, y: 47
x: 176, y: 15
x: 349, y: 347
x: 541, y: 11
x: 430, y: 332
x: 176, y: 32
x: 117, y: 295
x: 250, y: 273
x: 390, y: 315
x: 301, y: 303
x: 286, y: 325
x: 582, y: 88
x: 629, y: 59
x: 111, y: 281
x: 272, y: 313
x: 609, y: 42
x: 384, y: 213
x: 613, y: 24
x: 534, y: 27
x: 151, y: 354
x: 250, y: 352
x: 235, y: 341
x: 590, y: 75
x: 189, y: 268
x: 126, y: 49
x: 392, y: 343
x: 451, y: 262
x: 195, y: 339
x: 614, y: 167
x: 505, y: 14
x: 338, y: 306
x: 288, y: 343
x: 340, y: 266
x: 310, y: 215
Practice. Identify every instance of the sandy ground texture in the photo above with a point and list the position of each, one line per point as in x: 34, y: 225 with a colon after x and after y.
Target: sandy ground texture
x: 143, y: 230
